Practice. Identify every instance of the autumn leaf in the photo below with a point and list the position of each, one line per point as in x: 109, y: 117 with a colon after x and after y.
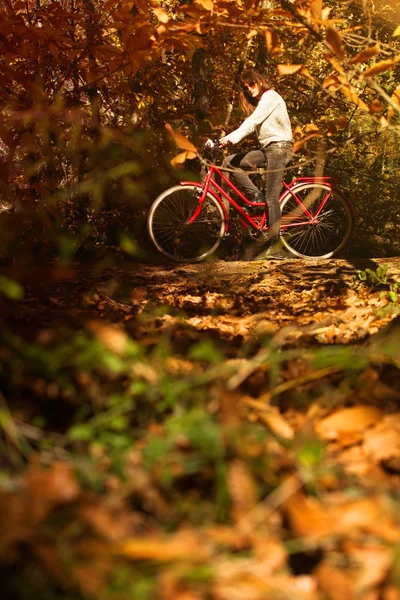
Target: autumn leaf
x: 335, y: 583
x: 395, y: 97
x: 301, y: 143
x: 383, y: 441
x: 48, y: 488
x: 251, y: 34
x: 311, y: 128
x: 381, y: 67
x: 111, y: 336
x: 161, y: 15
x: 347, y: 420
x: 332, y: 81
x: 179, y: 159
x: 375, y: 106
x: 284, y: 70
x: 341, y: 122
x: 334, y: 40
x: 180, y: 140
x: 175, y: 547
x: 272, y: 42
x: 206, y: 4
x: 336, y: 65
x: 366, y: 54
x: 316, y: 8
x: 353, y: 96
x: 396, y: 31
x: 276, y: 423
x: 242, y: 488
x: 311, y: 517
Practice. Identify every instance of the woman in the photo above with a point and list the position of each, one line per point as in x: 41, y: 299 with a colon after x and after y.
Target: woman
x: 269, y: 118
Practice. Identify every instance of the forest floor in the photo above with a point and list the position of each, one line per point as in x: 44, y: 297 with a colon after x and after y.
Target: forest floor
x: 320, y: 300
x: 304, y: 353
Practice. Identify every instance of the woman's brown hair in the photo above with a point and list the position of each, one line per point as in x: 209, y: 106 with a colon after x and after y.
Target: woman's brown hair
x: 246, y: 101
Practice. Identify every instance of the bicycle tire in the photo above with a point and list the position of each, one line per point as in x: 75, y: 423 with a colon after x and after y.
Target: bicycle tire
x: 170, y: 231
x: 321, y: 236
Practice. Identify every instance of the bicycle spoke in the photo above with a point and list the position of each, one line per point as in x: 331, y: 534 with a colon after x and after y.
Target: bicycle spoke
x: 174, y: 235
x: 327, y: 227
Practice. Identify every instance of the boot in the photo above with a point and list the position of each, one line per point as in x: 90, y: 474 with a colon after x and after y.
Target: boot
x: 264, y: 250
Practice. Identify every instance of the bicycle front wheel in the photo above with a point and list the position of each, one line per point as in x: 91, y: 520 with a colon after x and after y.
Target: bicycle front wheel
x: 317, y: 221
x: 170, y: 231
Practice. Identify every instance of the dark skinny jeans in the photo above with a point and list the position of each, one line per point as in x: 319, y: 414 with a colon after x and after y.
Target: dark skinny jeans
x: 274, y: 159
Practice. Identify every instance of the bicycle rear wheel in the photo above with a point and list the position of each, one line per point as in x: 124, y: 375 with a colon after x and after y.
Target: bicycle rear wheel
x: 170, y: 231
x: 324, y: 231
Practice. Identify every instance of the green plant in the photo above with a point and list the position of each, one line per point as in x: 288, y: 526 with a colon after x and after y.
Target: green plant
x: 380, y: 279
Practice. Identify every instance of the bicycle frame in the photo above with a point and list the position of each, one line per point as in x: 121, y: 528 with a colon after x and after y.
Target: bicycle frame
x: 211, y: 186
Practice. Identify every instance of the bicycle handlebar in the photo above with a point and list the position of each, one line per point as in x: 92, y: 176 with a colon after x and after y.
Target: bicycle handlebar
x: 211, y: 144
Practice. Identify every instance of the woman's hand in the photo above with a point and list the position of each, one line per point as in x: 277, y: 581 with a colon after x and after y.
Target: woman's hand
x: 223, y: 142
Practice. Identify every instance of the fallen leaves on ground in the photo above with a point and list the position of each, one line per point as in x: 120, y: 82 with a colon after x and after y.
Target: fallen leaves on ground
x: 265, y: 466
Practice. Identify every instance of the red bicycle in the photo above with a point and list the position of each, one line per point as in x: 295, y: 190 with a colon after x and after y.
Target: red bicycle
x: 188, y: 221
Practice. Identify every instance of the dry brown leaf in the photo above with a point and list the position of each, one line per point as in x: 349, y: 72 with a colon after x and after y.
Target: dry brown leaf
x: 309, y: 517
x: 297, y: 132
x: 341, y: 122
x: 365, y: 54
x: 336, y: 65
x: 179, y: 546
x: 352, y: 95
x: 272, y: 42
x: 255, y: 585
x: 180, y: 140
x: 316, y: 8
x: 311, y: 127
x: 331, y: 82
x: 356, y: 514
x: 251, y: 34
x: 395, y: 97
x: 383, y: 441
x: 161, y: 14
x: 276, y: 422
x: 334, y: 40
x: 230, y: 537
x: 284, y: 70
x: 206, y: 4
x: 102, y: 520
x: 335, y: 583
x: 112, y: 337
x: 51, y: 487
x: 376, y: 106
x: 300, y: 143
x: 179, y: 159
x: 242, y: 488
x: 348, y: 420
x: 375, y: 562
x: 381, y: 67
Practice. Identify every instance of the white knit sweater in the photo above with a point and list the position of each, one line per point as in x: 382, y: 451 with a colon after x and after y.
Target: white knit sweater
x: 270, y: 121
